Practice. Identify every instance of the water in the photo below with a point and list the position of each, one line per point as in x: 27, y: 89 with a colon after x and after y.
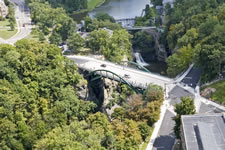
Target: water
x: 121, y: 9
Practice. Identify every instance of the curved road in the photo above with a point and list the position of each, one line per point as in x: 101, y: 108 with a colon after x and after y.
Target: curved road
x: 23, y: 22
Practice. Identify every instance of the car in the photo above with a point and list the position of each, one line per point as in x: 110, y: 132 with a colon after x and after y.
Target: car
x: 103, y: 65
x: 24, y: 25
x: 126, y: 76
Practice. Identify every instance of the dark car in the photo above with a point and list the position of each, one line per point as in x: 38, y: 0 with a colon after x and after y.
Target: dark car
x: 103, y: 65
x: 23, y: 25
x: 126, y: 76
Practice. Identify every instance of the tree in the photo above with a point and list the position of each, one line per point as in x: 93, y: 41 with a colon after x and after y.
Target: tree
x: 76, y: 135
x: 145, y: 42
x: 151, y: 112
x: 37, y: 95
x: 179, y: 61
x: 104, y: 17
x: 186, y: 107
x: 94, y: 24
x: 12, y: 26
x: 119, y: 46
x: 149, y: 12
x: 189, y: 38
x: 52, y: 19
x: 98, y: 40
x: 55, y: 38
x: 153, y: 93
x: 114, y: 46
x: 144, y: 129
x: 156, y: 2
x: 127, y: 134
x: 119, y: 113
x: 75, y: 42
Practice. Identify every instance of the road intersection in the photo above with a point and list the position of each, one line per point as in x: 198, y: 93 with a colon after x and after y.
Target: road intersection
x: 23, y: 22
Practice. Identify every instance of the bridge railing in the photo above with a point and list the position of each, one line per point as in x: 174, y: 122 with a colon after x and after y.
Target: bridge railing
x: 124, y: 19
x: 122, y: 66
x: 114, y: 76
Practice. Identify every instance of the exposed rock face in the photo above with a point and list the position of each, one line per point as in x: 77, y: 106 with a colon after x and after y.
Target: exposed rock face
x: 109, y: 88
x: 207, y: 92
x: 160, y: 49
x: 3, y: 9
x: 82, y: 92
x: 100, y: 91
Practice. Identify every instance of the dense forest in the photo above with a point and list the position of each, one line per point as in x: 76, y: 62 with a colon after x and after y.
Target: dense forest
x: 195, y: 32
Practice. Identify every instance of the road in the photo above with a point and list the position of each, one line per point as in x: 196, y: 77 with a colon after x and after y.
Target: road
x: 22, y: 15
x: 192, y: 78
x: 136, y: 78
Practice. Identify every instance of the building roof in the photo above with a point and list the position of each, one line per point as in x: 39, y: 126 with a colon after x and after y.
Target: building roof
x: 204, y: 132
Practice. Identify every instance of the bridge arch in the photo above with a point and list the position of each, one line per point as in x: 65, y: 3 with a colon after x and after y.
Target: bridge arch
x: 121, y: 79
x: 137, y: 65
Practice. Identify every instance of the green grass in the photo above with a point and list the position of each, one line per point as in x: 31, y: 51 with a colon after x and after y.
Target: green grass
x: 145, y: 144
x: 219, y: 94
x: 94, y: 3
x: 4, y: 23
x: 6, y: 34
x: 5, y: 31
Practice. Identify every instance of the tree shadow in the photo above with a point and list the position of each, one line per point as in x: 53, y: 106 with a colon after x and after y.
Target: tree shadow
x: 164, y: 142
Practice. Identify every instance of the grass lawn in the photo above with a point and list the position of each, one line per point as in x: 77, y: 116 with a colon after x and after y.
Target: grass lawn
x: 5, y: 31
x: 4, y: 23
x: 93, y: 3
x: 219, y: 94
x: 6, y: 34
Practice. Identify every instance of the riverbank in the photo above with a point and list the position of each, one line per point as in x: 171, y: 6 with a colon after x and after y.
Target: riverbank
x: 94, y: 3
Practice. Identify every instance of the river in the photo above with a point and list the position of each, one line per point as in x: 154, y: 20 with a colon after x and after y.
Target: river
x: 120, y: 9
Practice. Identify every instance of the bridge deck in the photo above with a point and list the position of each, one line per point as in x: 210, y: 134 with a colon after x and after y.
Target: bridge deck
x: 136, y: 78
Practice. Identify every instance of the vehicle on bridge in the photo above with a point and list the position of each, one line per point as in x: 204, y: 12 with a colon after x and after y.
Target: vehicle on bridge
x: 126, y: 76
x: 103, y: 65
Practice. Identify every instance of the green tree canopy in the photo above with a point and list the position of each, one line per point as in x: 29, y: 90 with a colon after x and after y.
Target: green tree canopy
x: 186, y: 107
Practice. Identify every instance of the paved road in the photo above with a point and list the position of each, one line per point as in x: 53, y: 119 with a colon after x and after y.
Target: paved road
x: 193, y: 77
x: 176, y: 93
x: 137, y: 78
x: 166, y: 138
x: 208, y: 108
x: 22, y: 15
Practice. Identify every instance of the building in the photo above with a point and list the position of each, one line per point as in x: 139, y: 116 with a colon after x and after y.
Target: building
x: 3, y: 9
x: 203, y: 132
